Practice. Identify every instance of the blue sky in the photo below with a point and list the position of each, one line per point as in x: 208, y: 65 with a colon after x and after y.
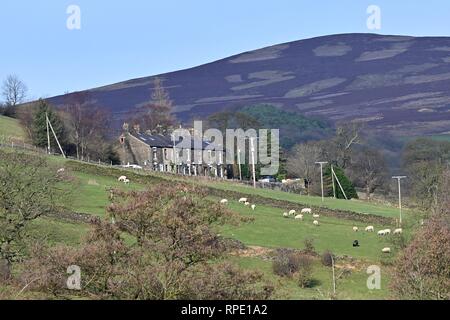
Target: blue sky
x: 120, y: 40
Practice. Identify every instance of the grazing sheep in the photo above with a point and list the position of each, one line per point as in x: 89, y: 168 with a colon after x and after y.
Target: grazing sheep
x: 370, y: 229
x: 387, y: 231
x: 126, y: 181
x: 356, y: 243
x: 61, y: 170
x: 247, y: 204
x: 286, y: 215
x: 307, y: 210
x: 243, y: 200
x: 292, y: 212
x: 316, y: 216
x: 224, y: 201
x: 355, y: 229
x: 398, y: 231
x: 381, y: 233
x: 122, y: 179
x: 386, y: 250
x: 253, y: 207
x: 299, y: 217
x: 316, y: 223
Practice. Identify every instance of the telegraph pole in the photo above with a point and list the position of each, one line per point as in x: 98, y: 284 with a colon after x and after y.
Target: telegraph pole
x: 322, y: 163
x: 252, y: 147
x: 239, y: 163
x: 399, y: 178
x: 48, y: 133
x: 332, y: 181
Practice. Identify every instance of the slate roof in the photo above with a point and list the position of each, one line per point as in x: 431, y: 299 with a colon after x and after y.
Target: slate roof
x: 161, y: 141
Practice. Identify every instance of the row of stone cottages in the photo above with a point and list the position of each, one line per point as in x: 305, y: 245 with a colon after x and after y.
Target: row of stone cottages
x: 157, y: 152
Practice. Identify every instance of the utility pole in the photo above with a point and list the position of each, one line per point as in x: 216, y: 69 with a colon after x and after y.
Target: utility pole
x: 322, y: 163
x: 340, y: 186
x: 332, y: 181
x: 173, y: 155
x: 239, y: 163
x: 334, y: 277
x: 252, y: 147
x: 48, y: 133
x: 49, y: 124
x: 399, y: 178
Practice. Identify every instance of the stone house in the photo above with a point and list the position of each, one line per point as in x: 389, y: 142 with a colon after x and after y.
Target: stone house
x: 160, y: 153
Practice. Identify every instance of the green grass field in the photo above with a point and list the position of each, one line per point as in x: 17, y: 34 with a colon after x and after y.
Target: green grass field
x: 10, y: 128
x: 88, y: 193
x: 357, y: 206
x: 270, y: 229
x: 349, y: 287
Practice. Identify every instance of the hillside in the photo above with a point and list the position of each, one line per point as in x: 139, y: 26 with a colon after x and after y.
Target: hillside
x: 395, y: 84
x: 267, y: 230
x: 10, y: 129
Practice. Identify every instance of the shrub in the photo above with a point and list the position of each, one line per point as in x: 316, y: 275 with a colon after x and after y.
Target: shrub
x: 309, y: 247
x: 305, y: 269
x: 327, y: 258
x: 422, y: 270
x: 286, y: 263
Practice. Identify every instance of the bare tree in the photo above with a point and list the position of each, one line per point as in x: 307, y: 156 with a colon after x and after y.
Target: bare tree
x: 14, y: 91
x: 302, y: 162
x: 369, y: 170
x: 347, y: 135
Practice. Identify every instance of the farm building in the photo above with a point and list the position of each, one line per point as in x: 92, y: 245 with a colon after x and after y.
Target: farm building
x: 161, y: 153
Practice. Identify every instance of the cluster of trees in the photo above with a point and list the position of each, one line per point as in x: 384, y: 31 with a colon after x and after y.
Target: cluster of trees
x: 355, y: 163
x: 82, y: 129
x: 425, y: 160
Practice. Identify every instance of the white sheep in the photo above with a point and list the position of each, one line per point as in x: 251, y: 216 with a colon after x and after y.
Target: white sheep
x: 387, y: 231
x: 253, y: 207
x: 355, y: 229
x: 316, y: 216
x: 286, y: 215
x: 386, y: 250
x: 306, y: 210
x: 62, y: 170
x: 292, y: 212
x: 224, y: 201
x: 247, y: 204
x: 316, y: 223
x: 243, y: 200
x: 398, y: 231
x: 370, y: 229
x: 299, y: 217
x: 122, y: 179
x: 126, y: 181
x: 381, y: 232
